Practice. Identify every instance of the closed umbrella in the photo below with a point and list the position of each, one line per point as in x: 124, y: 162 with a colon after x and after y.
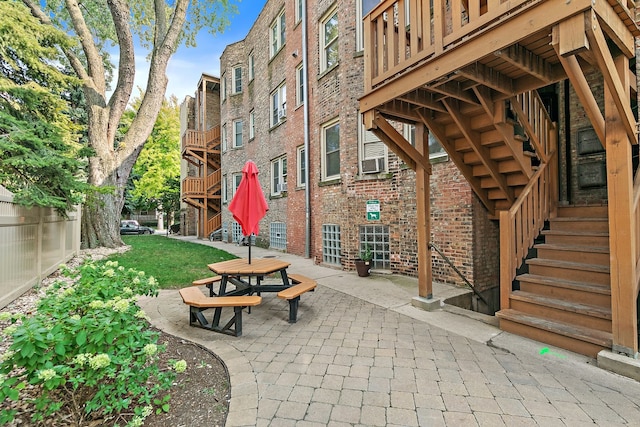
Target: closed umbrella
x: 248, y: 205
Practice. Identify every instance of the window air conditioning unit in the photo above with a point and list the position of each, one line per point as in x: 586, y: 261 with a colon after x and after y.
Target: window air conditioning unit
x: 373, y: 165
x: 282, y: 113
x: 282, y: 187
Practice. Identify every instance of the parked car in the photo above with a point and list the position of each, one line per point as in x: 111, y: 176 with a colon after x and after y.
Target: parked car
x: 131, y: 226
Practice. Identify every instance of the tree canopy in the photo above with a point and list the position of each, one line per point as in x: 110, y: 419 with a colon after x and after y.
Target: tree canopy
x: 98, y: 27
x: 39, y: 151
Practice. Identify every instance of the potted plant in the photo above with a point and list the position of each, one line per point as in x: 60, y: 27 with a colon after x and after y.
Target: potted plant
x: 363, y: 264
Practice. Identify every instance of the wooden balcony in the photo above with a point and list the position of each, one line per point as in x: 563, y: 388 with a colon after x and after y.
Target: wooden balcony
x: 415, y: 55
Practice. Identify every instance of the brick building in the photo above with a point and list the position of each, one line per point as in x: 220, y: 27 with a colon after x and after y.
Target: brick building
x: 349, y: 170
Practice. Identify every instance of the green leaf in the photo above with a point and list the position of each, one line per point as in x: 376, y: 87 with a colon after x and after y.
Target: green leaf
x: 60, y: 349
x: 81, y: 338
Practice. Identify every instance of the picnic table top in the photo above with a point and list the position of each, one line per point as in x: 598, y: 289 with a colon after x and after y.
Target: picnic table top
x: 241, y: 266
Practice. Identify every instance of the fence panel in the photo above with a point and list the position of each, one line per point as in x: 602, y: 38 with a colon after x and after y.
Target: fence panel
x: 33, y: 243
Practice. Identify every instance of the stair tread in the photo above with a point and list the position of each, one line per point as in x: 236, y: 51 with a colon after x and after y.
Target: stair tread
x: 582, y: 333
x: 561, y: 304
x: 569, y: 265
x: 576, y: 233
x: 579, y: 218
x: 564, y: 283
x: 576, y: 248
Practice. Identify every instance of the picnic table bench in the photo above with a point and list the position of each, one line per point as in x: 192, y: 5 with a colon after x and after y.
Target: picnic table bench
x: 301, y: 284
x: 208, y: 282
x: 199, y: 302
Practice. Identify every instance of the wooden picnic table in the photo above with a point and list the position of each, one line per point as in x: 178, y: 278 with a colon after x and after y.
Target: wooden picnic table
x: 248, y: 278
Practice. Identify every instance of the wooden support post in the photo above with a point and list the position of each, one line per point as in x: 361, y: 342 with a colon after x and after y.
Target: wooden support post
x: 621, y: 219
x: 423, y: 200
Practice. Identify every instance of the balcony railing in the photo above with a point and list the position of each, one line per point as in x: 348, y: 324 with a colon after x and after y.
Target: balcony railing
x: 199, y: 140
x: 399, y: 34
x: 193, y: 187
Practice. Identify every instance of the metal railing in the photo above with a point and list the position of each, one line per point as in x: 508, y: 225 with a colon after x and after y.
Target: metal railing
x: 459, y: 273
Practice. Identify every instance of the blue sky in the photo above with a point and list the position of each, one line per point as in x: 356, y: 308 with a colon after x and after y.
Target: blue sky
x: 188, y: 64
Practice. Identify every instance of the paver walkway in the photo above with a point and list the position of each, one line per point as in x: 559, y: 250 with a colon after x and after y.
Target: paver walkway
x: 353, y: 361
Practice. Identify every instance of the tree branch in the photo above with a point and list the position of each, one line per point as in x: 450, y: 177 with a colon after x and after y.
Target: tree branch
x: 74, y: 61
x: 94, y: 59
x: 126, y: 66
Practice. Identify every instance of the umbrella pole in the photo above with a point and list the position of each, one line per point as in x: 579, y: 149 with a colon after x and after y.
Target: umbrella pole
x: 249, y: 248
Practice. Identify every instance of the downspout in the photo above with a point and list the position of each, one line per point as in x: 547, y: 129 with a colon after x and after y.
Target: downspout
x: 305, y: 100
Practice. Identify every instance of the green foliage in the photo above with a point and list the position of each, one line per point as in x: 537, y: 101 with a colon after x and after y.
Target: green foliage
x: 366, y: 255
x: 39, y: 153
x: 90, y: 344
x: 155, y: 179
x: 173, y: 262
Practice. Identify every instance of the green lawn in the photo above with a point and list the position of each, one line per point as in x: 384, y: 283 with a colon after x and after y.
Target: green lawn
x: 173, y: 263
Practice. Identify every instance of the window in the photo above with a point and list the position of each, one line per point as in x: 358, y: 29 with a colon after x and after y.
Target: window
x: 223, y: 137
x: 236, y: 178
x: 299, y: 85
x: 237, y: 80
x: 252, y: 124
x: 277, y: 34
x: 373, y: 152
x: 436, y: 150
x: 278, y: 235
x: 279, y: 104
x: 329, y: 40
x: 331, y: 150
x: 251, y: 68
x: 363, y: 7
x: 377, y: 238
x: 237, y: 133
x: 223, y: 88
x: 331, y: 249
x: 224, y: 189
x: 299, y: 4
x: 302, y: 167
x: 279, y: 176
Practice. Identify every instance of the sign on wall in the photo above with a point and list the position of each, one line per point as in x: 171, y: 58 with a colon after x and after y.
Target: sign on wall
x: 373, y: 210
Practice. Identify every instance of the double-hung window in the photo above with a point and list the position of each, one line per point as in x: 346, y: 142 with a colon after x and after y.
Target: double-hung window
x: 223, y: 87
x: 237, y: 134
x: 299, y: 5
x: 223, y: 137
x: 329, y: 40
x: 237, y: 80
x: 277, y: 34
x: 252, y: 124
x: 278, y: 104
x: 279, y: 176
x: 299, y: 85
x: 363, y: 7
x: 236, y: 178
x: 373, y: 152
x: 331, y: 150
x: 302, y: 166
x: 252, y: 72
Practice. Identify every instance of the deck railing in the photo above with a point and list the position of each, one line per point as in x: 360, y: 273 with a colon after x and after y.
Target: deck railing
x: 193, y: 139
x: 523, y: 222
x: 214, y: 179
x: 193, y: 187
x: 401, y: 33
x: 214, y: 223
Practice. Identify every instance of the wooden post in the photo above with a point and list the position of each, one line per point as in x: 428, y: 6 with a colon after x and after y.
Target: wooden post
x: 621, y: 220
x: 423, y: 200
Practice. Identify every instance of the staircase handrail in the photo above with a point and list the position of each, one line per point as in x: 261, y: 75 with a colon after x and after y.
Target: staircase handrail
x: 464, y: 279
x: 522, y: 223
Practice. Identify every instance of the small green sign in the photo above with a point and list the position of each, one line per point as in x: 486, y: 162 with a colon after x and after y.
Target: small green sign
x: 373, y: 210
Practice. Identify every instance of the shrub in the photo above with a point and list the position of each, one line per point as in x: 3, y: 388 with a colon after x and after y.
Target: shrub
x: 88, y: 348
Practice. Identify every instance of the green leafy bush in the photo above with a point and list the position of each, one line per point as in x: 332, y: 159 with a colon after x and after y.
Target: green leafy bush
x: 87, y: 348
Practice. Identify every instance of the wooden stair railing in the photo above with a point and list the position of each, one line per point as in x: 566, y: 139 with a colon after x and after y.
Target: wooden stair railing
x: 523, y: 222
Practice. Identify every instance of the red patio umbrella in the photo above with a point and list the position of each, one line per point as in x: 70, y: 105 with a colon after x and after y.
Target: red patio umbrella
x: 248, y: 205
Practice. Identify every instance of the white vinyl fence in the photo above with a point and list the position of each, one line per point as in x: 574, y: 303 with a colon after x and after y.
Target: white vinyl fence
x: 33, y: 243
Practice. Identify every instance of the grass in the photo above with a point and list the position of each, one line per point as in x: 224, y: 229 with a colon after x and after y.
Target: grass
x: 173, y: 263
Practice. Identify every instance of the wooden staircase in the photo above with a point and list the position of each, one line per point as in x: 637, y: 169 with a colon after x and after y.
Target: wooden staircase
x: 565, y: 298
